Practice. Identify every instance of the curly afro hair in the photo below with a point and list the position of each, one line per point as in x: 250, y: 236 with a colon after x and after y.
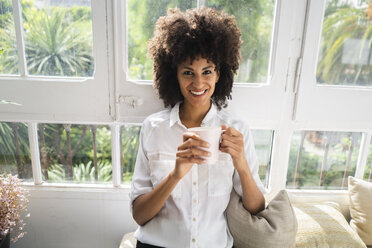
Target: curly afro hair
x: 203, y: 32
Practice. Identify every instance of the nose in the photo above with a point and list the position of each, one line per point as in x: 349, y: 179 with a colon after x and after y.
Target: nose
x: 197, y: 81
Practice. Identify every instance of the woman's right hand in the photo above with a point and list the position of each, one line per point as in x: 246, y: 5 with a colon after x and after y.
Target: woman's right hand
x: 189, y: 153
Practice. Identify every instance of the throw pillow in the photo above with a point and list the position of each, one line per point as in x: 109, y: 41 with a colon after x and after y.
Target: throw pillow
x: 275, y: 226
x: 323, y: 225
x: 360, y: 195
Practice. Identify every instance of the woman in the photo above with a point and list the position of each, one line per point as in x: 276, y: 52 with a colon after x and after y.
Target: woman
x: 177, y: 199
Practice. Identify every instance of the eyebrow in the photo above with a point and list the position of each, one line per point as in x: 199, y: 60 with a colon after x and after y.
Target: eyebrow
x: 189, y: 68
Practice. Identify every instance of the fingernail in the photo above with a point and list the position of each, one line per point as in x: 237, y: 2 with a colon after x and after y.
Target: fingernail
x: 208, y: 145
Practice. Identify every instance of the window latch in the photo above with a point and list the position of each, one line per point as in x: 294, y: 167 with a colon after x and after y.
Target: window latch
x: 133, y: 101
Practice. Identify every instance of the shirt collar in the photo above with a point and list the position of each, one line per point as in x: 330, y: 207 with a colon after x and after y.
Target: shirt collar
x: 175, y: 114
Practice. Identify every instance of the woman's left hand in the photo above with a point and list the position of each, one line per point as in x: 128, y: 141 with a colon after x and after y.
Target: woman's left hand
x: 233, y: 144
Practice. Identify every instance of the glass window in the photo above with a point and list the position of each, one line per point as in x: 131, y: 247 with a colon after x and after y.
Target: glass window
x: 263, y: 140
x: 15, y: 155
x: 322, y: 160
x: 58, y: 38
x: 255, y: 20
x: 345, y: 50
x: 75, y: 153
x: 142, y: 16
x: 8, y: 44
x: 129, y: 147
x: 368, y: 170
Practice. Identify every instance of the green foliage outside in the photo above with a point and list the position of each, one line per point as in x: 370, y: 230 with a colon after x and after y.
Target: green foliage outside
x: 311, y: 164
x: 82, y: 173
x: 368, y: 170
x: 15, y: 153
x: 130, y: 143
x: 68, y: 149
x: 58, y: 40
x: 342, y: 23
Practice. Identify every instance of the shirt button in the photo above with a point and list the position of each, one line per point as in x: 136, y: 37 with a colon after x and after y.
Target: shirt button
x: 195, y: 201
x: 194, y: 183
x: 194, y: 219
x: 193, y: 240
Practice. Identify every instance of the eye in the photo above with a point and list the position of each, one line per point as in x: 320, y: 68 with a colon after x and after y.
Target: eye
x: 206, y: 72
x: 187, y: 73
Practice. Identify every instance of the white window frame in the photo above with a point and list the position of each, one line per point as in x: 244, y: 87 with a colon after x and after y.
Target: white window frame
x: 44, y: 98
x: 110, y: 98
x: 332, y: 106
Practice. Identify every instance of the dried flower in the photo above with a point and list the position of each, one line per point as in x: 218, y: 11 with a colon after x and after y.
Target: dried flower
x: 13, y: 204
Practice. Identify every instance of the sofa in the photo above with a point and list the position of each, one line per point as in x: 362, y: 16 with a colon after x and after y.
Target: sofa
x: 302, y: 219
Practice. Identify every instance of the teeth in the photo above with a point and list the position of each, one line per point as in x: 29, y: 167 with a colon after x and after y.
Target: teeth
x: 198, y: 93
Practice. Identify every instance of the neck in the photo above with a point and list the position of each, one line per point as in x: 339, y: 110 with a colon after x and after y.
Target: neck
x: 191, y: 116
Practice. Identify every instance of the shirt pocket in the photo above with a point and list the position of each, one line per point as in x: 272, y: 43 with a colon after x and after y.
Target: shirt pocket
x: 220, y: 177
x: 161, y: 164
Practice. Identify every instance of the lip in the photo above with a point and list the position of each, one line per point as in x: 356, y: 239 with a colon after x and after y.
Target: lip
x: 205, y: 91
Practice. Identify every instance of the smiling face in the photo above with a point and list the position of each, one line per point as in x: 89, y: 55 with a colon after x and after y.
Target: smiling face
x: 197, y: 80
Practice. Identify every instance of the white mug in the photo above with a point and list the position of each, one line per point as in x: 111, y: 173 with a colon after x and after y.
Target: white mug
x: 213, y: 136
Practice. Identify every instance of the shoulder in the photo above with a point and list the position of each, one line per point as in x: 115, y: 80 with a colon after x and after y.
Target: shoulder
x: 231, y: 119
x: 156, y: 119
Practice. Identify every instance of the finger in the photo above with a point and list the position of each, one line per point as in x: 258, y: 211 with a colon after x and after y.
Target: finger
x: 228, y: 143
x: 233, y: 132
x: 193, y: 160
x: 193, y: 151
x: 190, y: 135
x: 234, y: 139
x: 195, y: 144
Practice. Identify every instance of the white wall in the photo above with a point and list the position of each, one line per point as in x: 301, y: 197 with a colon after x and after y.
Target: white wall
x: 76, y: 218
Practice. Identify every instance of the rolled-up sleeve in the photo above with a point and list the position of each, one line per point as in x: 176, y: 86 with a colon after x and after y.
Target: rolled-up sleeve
x: 251, y: 156
x: 141, y: 181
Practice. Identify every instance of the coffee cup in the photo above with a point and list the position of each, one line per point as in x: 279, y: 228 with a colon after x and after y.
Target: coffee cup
x: 212, y: 135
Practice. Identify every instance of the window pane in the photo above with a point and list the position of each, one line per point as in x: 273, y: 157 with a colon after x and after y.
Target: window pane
x: 8, y: 45
x: 322, y: 160
x: 142, y: 16
x: 368, y: 170
x: 58, y: 38
x: 15, y: 156
x: 255, y: 20
x: 263, y: 140
x: 75, y: 153
x: 129, y: 148
x: 345, y: 50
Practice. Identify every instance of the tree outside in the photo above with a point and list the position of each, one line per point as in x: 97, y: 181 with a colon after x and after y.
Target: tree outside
x: 345, y: 55
x: 15, y: 155
x: 58, y: 40
x: 322, y: 160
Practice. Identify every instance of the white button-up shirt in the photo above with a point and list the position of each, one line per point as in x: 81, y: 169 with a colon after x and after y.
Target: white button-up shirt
x: 194, y: 213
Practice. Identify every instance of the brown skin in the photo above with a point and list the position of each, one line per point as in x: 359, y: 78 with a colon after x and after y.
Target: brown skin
x: 199, y: 76
x: 233, y: 144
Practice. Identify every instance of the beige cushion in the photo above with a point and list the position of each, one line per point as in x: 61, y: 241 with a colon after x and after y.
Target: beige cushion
x: 323, y: 225
x: 360, y: 195
x: 275, y: 226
